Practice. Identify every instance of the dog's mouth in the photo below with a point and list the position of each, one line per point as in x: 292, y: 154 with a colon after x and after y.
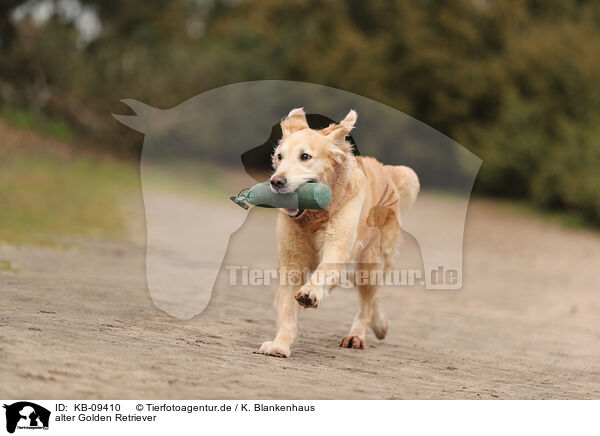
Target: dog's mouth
x: 296, y: 213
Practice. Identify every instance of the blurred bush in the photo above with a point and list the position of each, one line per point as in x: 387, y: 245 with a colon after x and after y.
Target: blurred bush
x: 514, y: 81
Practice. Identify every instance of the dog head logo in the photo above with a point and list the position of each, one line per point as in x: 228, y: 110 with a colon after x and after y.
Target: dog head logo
x: 187, y: 243
x: 26, y: 415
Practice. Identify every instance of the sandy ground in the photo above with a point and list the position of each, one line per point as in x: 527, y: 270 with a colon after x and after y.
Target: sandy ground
x: 79, y: 323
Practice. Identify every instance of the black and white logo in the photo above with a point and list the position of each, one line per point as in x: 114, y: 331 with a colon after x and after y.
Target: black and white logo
x: 26, y: 415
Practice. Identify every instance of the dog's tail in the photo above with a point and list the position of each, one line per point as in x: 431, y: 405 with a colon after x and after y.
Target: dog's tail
x: 407, y: 182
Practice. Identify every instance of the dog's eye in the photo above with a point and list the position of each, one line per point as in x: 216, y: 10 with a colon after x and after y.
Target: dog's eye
x: 305, y: 156
x: 279, y: 156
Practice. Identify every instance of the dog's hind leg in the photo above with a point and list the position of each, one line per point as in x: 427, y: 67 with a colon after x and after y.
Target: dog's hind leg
x: 356, y: 337
x: 389, y: 239
x: 379, y: 324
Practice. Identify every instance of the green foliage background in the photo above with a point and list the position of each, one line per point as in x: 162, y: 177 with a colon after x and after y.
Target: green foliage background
x: 514, y: 81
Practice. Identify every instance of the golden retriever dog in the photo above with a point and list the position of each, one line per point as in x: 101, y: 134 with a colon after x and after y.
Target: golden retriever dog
x: 360, y: 229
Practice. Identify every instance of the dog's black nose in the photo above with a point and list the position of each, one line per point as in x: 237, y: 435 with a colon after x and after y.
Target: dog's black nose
x: 278, y: 182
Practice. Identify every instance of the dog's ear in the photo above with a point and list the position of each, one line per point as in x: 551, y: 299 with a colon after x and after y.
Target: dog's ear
x: 350, y: 120
x: 296, y: 120
x: 338, y: 132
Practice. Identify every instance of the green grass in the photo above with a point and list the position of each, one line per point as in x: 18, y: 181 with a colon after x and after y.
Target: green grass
x: 572, y: 220
x: 25, y: 120
x: 205, y: 179
x: 44, y: 198
x: 6, y: 266
x: 568, y: 219
x: 52, y: 191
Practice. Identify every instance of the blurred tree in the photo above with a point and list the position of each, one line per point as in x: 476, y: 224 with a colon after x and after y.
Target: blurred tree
x: 515, y: 81
x: 7, y: 27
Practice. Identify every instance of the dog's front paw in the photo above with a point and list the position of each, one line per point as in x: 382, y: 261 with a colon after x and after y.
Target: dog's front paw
x: 276, y: 349
x: 353, y: 341
x: 309, y: 295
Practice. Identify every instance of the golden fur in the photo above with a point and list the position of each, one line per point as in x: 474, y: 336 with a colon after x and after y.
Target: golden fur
x: 360, y: 228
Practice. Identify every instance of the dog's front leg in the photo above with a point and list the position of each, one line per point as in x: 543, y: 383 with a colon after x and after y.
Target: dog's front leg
x: 295, y: 257
x: 287, y: 316
x: 339, y: 243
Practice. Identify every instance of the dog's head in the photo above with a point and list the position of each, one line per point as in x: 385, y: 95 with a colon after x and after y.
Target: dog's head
x: 307, y: 155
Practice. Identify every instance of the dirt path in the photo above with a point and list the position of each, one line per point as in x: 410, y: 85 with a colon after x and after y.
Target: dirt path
x: 79, y: 323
